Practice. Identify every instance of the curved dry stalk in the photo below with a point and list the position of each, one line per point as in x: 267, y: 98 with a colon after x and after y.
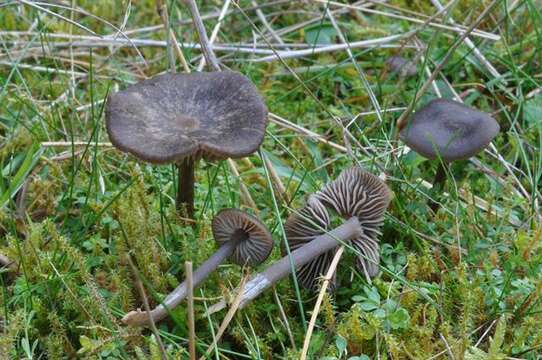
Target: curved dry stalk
x: 323, y: 291
x: 212, y: 61
x: 190, y: 315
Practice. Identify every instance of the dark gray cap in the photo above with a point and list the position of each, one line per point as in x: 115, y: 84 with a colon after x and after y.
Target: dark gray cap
x: 254, y: 239
x: 171, y: 117
x: 450, y: 129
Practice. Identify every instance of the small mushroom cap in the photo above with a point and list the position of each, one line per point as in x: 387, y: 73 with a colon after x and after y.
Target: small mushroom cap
x: 170, y: 117
x: 255, y: 240
x: 449, y: 129
x: 355, y: 192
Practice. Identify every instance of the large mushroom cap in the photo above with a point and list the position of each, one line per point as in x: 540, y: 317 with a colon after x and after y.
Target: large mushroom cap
x: 449, y: 129
x: 359, y: 193
x: 355, y: 193
x: 254, y: 240
x: 174, y: 116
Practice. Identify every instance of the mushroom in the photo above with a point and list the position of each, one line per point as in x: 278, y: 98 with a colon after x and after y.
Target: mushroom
x: 356, y: 195
x: 402, y: 66
x: 184, y: 117
x: 450, y: 131
x: 241, y: 237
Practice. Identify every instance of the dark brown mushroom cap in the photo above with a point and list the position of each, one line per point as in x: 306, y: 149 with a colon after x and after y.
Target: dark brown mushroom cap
x: 255, y: 240
x: 359, y: 193
x: 302, y: 227
x: 170, y: 117
x: 450, y: 129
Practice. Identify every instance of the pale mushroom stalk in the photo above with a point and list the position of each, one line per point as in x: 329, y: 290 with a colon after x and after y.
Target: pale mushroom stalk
x: 241, y: 237
x: 301, y: 256
x: 171, y: 301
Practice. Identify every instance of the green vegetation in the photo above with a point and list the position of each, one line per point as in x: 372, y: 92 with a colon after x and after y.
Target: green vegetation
x: 465, y: 283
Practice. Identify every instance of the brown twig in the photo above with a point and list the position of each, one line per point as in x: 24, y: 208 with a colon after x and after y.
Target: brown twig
x: 277, y: 182
x: 162, y: 12
x: 246, y: 198
x: 212, y: 61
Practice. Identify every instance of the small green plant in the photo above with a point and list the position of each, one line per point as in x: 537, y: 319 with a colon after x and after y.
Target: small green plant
x: 392, y: 315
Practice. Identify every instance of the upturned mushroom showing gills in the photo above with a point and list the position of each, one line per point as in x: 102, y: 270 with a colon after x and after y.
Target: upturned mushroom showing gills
x: 356, y: 195
x: 241, y: 237
x: 181, y: 118
x: 449, y: 130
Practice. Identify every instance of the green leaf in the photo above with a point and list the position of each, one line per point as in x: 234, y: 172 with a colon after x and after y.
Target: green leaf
x: 533, y: 111
x: 399, y: 319
x: 497, y: 340
x: 380, y: 314
x: 320, y: 34
x: 17, y: 181
x: 368, y: 306
x: 372, y: 294
x: 340, y: 342
x: 87, y: 344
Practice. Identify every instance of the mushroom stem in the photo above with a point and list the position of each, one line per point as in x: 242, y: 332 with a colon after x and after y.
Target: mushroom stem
x: 440, y: 176
x: 438, y: 184
x: 140, y: 318
x: 321, y: 244
x: 185, y: 191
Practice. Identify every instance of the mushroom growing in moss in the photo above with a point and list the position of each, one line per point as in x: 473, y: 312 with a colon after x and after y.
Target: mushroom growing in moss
x: 180, y: 118
x: 241, y: 237
x: 356, y: 195
x: 448, y: 130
